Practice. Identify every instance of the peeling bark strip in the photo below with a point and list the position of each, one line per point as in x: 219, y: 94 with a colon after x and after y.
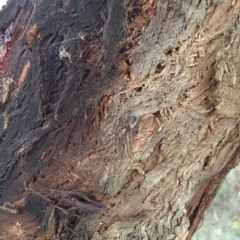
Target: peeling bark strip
x: 133, y: 103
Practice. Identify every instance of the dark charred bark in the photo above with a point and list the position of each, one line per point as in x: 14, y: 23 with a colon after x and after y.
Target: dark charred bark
x: 118, y: 119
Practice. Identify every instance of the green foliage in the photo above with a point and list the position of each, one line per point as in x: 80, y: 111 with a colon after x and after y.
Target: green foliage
x: 222, y: 219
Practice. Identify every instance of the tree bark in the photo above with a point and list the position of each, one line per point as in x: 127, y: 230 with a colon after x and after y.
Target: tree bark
x: 119, y: 119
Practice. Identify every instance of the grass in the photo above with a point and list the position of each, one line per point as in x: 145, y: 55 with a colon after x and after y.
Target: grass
x: 222, y: 219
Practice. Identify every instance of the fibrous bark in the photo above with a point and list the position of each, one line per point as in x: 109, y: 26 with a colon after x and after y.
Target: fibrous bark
x: 119, y: 119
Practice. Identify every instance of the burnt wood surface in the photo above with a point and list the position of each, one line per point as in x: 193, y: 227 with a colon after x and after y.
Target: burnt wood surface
x: 118, y: 119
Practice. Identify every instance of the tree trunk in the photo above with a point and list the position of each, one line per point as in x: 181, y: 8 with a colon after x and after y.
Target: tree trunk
x: 119, y: 119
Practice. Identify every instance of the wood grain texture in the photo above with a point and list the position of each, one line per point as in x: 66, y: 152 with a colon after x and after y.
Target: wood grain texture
x: 134, y: 104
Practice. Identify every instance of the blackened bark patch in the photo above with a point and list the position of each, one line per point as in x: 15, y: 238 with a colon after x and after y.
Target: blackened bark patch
x: 57, y: 72
x: 10, y: 11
